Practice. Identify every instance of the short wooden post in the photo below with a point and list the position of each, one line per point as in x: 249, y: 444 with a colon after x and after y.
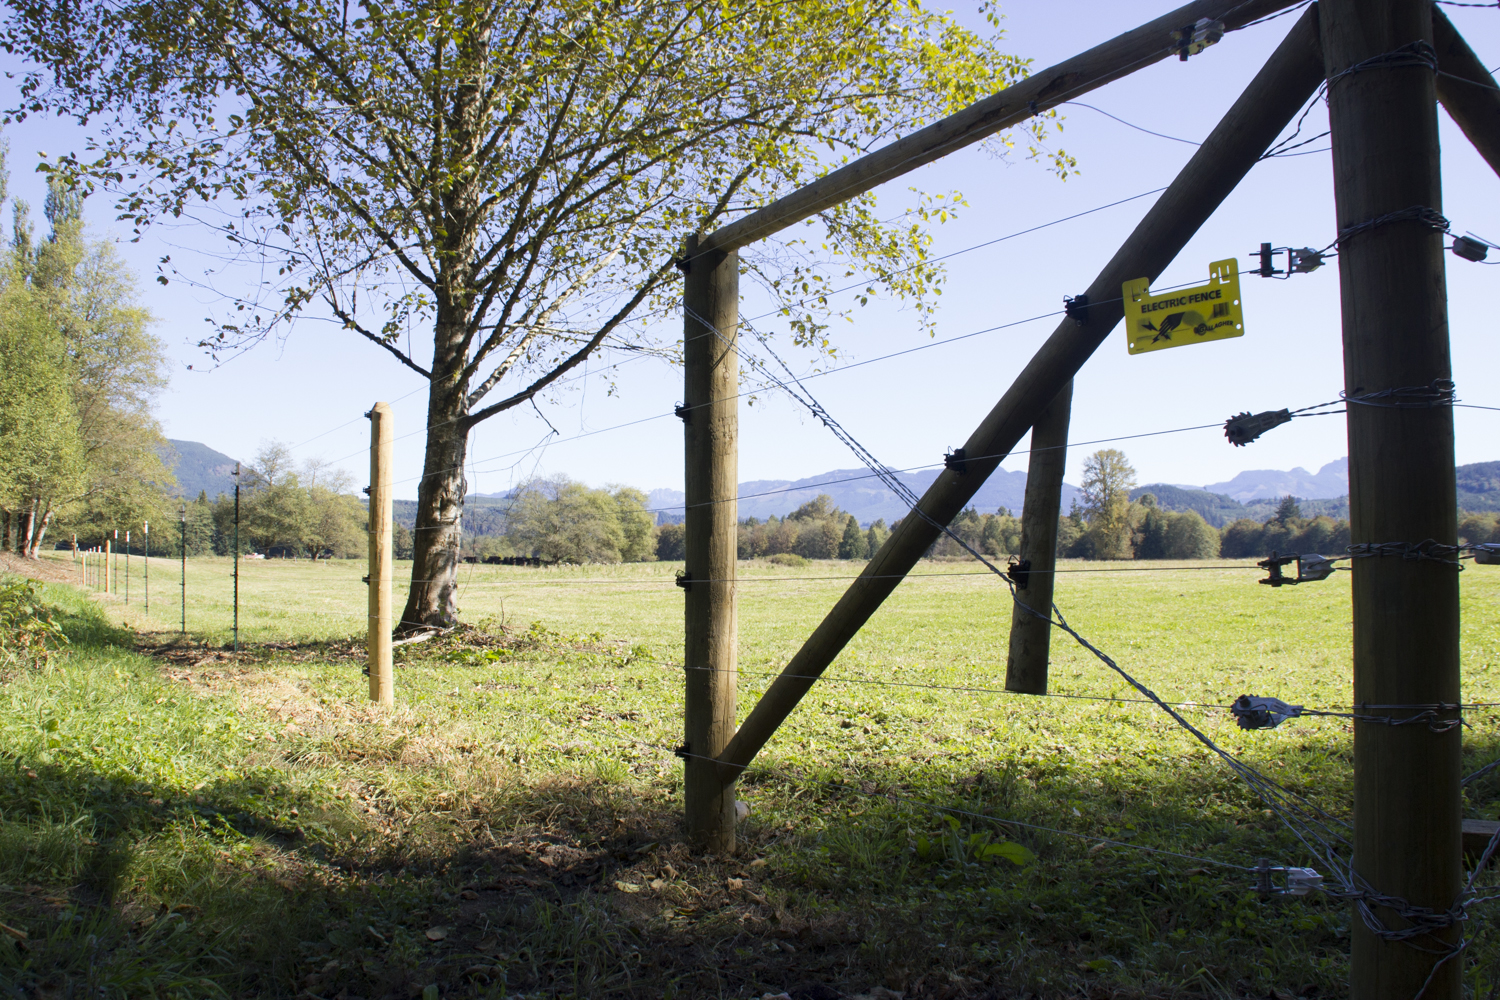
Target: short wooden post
x: 1030, y: 636
x: 1407, y: 798
x: 378, y: 638
x: 711, y: 436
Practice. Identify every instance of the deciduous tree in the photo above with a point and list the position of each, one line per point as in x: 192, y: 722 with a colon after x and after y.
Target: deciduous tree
x: 513, y: 180
x: 98, y: 467
x: 1108, y: 478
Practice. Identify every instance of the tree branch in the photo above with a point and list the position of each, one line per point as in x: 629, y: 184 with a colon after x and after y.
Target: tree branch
x: 350, y: 324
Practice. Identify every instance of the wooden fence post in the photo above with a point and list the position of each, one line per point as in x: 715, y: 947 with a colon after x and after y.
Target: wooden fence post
x: 1030, y: 636
x: 1407, y: 802
x: 711, y: 436
x: 109, y: 573
x: 378, y: 629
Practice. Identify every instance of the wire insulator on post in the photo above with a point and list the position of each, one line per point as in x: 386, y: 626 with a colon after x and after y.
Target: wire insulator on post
x: 1243, y: 428
x: 1469, y: 249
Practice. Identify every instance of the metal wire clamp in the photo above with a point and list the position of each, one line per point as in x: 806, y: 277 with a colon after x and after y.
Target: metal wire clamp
x: 1256, y: 712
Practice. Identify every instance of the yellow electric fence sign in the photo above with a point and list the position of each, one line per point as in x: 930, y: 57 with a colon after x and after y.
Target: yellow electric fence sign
x: 1187, y: 315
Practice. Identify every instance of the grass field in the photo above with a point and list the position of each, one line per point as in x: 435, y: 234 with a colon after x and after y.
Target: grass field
x: 183, y: 822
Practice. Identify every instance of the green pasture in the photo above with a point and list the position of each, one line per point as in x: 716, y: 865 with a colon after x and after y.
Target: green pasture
x: 251, y: 827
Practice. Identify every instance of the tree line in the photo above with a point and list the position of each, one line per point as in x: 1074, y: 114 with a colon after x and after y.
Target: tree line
x: 79, y: 370
x: 285, y: 510
x: 562, y: 521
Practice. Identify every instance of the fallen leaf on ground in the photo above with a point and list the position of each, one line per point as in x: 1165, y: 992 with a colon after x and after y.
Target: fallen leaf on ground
x: 436, y: 933
x: 627, y: 887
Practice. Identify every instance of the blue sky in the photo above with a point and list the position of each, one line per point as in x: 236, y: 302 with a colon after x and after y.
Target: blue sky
x: 908, y: 411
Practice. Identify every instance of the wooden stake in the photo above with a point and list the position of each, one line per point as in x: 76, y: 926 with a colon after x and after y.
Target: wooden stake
x: 1473, y: 100
x: 378, y: 635
x: 1275, y: 95
x: 1407, y: 838
x: 1030, y: 636
x: 711, y: 435
x: 108, y: 569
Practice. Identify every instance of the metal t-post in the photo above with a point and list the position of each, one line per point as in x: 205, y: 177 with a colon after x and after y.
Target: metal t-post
x: 182, y: 522
x: 236, y: 557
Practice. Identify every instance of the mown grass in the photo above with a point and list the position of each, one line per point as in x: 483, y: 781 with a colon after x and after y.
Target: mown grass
x: 181, y: 822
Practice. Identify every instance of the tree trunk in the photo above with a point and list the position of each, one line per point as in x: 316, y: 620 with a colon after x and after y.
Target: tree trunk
x: 24, y: 517
x: 433, y: 599
x: 5, y: 517
x: 39, y: 528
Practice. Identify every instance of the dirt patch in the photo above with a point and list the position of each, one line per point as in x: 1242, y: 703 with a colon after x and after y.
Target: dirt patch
x: 187, y: 652
x: 46, y: 570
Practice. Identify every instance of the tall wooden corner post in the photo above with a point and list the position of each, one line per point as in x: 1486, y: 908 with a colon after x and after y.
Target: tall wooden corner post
x: 1388, y: 195
x: 711, y: 432
x: 378, y: 636
x: 1030, y: 636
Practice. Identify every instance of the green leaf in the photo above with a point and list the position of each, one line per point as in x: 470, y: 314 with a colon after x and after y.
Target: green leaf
x: 1016, y: 854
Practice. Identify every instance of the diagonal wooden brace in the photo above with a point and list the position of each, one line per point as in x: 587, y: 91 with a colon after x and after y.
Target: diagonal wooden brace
x: 1271, y: 100
x: 1469, y: 95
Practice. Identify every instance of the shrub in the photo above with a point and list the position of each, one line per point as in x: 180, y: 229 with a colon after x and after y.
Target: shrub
x: 1242, y: 539
x: 1188, y: 536
x: 671, y: 542
x: 28, y: 635
x: 787, y: 559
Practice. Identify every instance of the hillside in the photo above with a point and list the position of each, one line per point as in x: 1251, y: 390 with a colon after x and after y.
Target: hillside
x: 198, y: 468
x: 1479, y: 486
x: 1219, y: 510
x: 857, y: 491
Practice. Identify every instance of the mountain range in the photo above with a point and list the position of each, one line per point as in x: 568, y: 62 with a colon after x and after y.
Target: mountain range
x: 857, y: 491
x: 1332, y: 480
x: 1253, y: 494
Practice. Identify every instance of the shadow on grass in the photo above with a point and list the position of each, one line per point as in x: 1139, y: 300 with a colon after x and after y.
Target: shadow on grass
x: 577, y: 885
